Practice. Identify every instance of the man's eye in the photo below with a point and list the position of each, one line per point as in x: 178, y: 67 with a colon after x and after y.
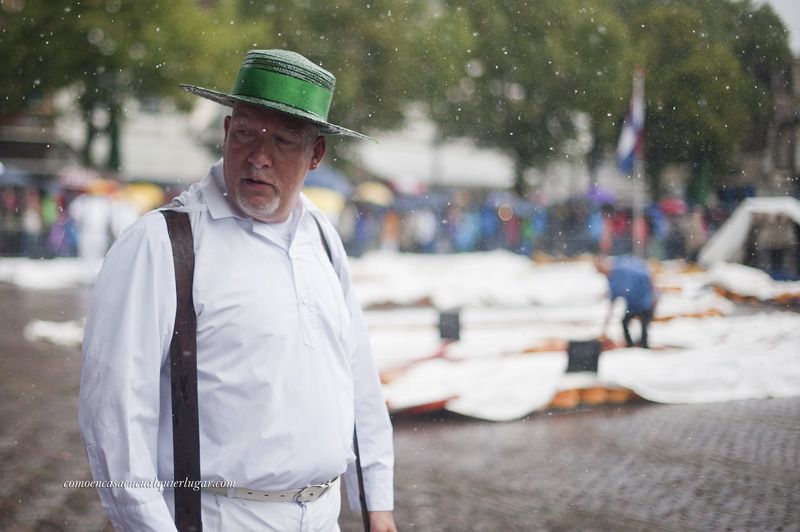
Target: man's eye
x: 244, y: 134
x: 284, y: 140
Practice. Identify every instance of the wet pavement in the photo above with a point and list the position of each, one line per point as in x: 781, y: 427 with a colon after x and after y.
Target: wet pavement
x: 726, y: 466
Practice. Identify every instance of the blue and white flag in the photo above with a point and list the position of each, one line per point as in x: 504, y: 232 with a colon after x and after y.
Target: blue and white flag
x: 631, y: 141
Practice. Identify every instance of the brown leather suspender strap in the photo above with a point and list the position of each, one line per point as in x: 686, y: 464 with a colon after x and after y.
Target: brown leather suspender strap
x: 183, y: 368
x: 362, y: 498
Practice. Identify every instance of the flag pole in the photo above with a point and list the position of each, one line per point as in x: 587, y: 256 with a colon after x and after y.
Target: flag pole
x: 638, y: 231
x: 630, y: 158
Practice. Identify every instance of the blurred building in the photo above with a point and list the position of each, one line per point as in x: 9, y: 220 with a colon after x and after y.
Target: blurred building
x: 415, y: 158
x: 158, y: 143
x: 30, y: 143
x: 772, y: 168
x: 788, y: 155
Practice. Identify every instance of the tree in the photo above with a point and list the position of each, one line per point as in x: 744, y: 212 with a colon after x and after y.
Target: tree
x: 762, y: 45
x: 110, y: 50
x: 384, y: 53
x: 712, y: 70
x: 532, y: 69
x: 695, y: 91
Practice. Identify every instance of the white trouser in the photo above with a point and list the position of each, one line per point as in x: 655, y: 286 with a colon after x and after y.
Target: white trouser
x: 227, y: 514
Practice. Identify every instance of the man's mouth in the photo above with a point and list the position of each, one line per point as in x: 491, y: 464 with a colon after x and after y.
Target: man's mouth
x: 255, y: 183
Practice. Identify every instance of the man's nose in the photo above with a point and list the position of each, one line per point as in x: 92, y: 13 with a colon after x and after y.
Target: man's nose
x: 261, y: 156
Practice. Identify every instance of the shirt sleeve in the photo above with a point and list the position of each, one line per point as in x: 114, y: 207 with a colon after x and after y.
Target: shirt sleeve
x: 125, y: 344
x: 372, y: 418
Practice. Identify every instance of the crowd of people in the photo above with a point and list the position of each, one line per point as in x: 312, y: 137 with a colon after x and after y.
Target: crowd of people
x: 35, y: 224
x: 45, y: 223
x: 54, y: 222
x: 462, y: 221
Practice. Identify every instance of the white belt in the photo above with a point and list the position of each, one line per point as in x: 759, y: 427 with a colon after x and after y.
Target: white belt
x: 309, y: 493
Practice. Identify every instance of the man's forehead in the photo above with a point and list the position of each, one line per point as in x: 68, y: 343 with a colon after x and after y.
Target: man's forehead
x: 249, y: 113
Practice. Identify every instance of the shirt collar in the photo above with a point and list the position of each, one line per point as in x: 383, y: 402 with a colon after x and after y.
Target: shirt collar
x: 212, y: 186
x: 214, y: 192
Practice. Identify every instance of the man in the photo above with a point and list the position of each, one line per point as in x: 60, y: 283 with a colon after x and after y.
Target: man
x: 629, y: 278
x: 283, y: 360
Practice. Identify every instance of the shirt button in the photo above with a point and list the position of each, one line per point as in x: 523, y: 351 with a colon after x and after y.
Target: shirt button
x: 306, y: 300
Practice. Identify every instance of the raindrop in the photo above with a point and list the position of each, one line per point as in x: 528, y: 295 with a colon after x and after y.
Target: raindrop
x: 137, y: 51
x: 96, y: 36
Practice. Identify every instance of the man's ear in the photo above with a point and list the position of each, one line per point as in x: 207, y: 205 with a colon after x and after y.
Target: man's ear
x: 320, y: 145
x: 226, y: 125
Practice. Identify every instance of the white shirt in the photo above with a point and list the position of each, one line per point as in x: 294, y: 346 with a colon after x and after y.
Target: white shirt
x: 283, y: 357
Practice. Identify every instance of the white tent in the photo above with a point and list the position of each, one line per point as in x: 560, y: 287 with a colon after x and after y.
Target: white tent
x: 728, y: 241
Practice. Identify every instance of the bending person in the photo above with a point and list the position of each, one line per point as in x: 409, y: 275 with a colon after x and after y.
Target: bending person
x: 629, y: 278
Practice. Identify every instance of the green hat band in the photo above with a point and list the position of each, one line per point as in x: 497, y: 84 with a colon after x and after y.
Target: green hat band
x: 288, y: 90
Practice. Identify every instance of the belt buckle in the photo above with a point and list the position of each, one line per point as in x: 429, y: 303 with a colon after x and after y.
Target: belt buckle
x: 310, y: 493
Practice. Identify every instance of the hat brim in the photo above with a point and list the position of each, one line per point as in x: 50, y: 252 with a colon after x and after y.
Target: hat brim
x: 229, y: 99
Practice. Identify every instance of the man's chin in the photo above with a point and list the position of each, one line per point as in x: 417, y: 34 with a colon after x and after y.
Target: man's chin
x: 263, y: 211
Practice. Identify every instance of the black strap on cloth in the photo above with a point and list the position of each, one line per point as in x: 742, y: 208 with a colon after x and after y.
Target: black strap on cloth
x: 361, y: 494
x: 359, y: 473
x: 183, y: 369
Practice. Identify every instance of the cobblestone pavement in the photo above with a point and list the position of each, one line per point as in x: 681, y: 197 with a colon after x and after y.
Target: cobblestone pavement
x: 728, y: 466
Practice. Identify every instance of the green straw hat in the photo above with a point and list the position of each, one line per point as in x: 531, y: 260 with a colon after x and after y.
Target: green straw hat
x: 284, y: 81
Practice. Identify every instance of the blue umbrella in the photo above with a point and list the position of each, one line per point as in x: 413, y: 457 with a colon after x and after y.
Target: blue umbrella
x: 14, y: 177
x: 327, y: 177
x: 601, y: 196
x: 429, y: 200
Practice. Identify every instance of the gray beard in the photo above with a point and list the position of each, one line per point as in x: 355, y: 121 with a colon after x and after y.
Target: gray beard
x: 261, y: 210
